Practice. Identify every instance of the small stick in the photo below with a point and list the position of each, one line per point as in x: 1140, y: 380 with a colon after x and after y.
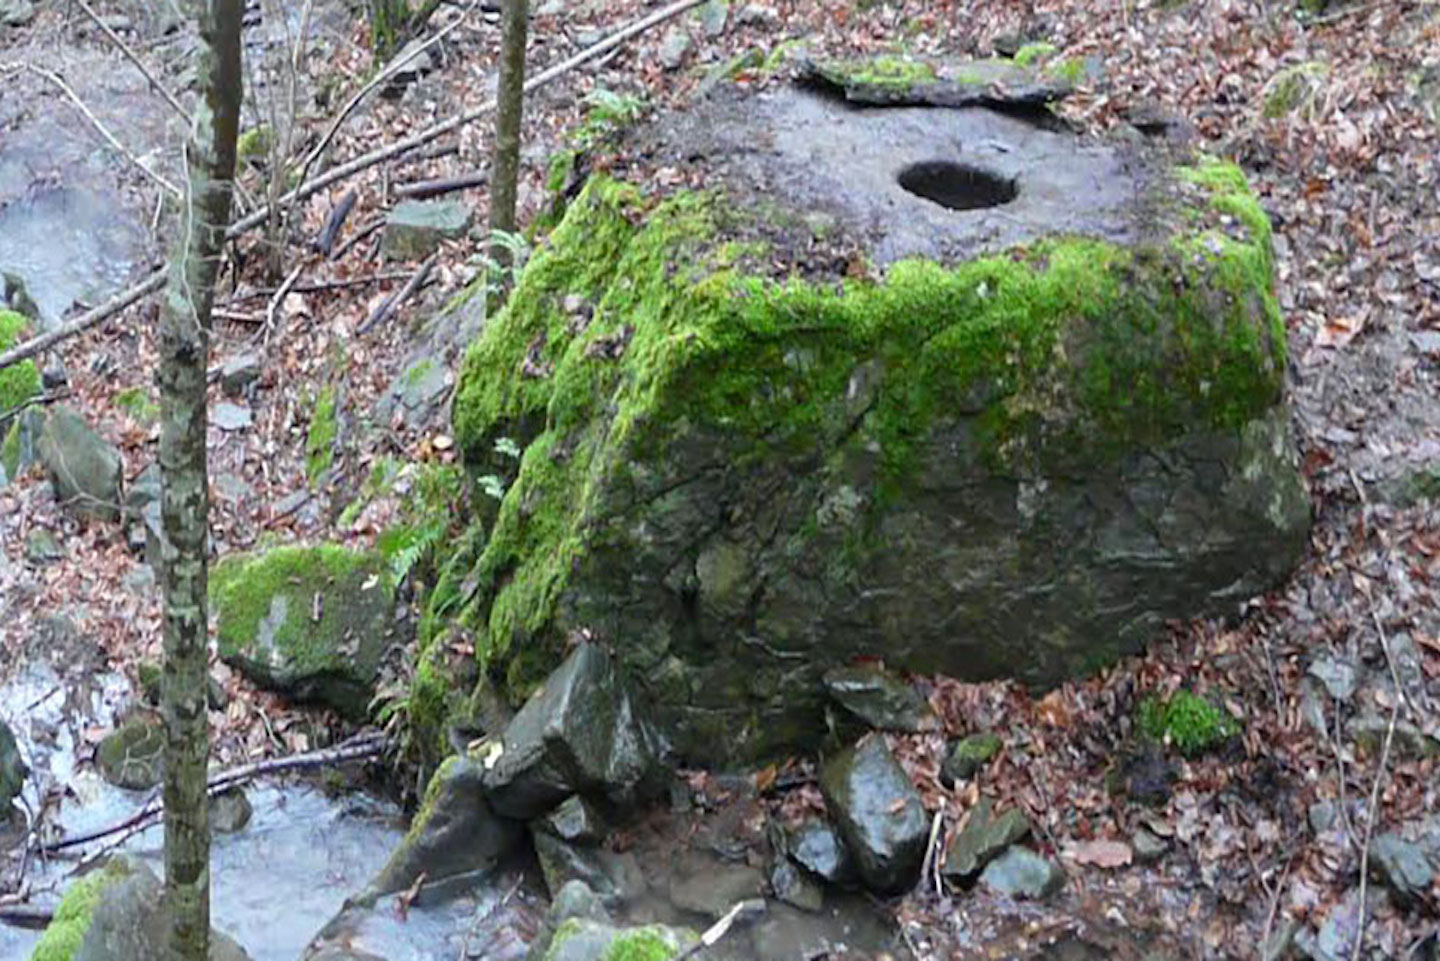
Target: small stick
x: 334, y: 222
x: 274, y: 306
x: 390, y: 303
x: 358, y: 236
x: 139, y: 65
x: 719, y: 929
x: 85, y: 321
x: 59, y: 81
x: 1372, y: 815
x: 422, y: 189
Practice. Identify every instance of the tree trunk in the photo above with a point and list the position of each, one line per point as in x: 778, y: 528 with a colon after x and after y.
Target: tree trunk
x: 184, y: 350
x: 510, y: 105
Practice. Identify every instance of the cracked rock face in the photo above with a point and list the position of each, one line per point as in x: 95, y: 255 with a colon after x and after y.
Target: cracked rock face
x: 929, y: 385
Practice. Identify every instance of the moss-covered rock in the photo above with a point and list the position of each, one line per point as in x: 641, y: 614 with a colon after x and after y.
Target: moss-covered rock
x: 808, y: 415
x: 1186, y: 720
x: 72, y: 919
x: 132, y: 756
x: 584, y: 939
x: 85, y: 469
x: 20, y: 382
x: 309, y: 622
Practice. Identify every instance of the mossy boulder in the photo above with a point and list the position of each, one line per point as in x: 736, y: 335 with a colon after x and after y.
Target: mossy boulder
x: 132, y: 756
x: 313, y: 623
x: 937, y: 386
x: 585, y: 939
x: 85, y: 469
x: 20, y: 382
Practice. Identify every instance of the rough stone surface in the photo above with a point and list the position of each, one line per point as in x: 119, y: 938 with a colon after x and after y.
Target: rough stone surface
x: 132, y: 755
x: 85, y: 469
x: 1021, y: 873
x: 582, y: 732
x: 230, y: 811
x: 879, y: 814
x: 819, y: 849
x: 713, y: 889
x: 12, y: 770
x: 575, y: 820
x: 878, y: 698
x: 454, y: 833
x: 984, y: 464
x: 238, y: 371
x: 311, y: 623
x: 614, y: 876
x: 964, y: 83
x: 793, y: 886
x: 415, y: 228
x: 983, y: 838
x: 1405, y: 866
x: 969, y: 754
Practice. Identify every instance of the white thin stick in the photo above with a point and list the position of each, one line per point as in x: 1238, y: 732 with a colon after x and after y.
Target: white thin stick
x: 274, y: 306
x: 59, y: 81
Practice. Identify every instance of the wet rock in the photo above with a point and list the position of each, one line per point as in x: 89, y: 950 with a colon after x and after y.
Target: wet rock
x: 415, y: 228
x: 454, y: 833
x: 309, y: 622
x: 968, y: 755
x: 85, y: 469
x: 712, y: 889
x: 12, y: 770
x: 230, y: 811
x: 582, y: 939
x: 614, y: 876
x: 674, y: 46
x: 715, y: 546
x: 880, y: 699
x: 1021, y: 873
x: 1404, y: 866
x: 575, y: 820
x: 1337, y: 674
x: 582, y: 733
x: 239, y: 371
x: 982, y: 839
x: 118, y: 913
x: 791, y: 885
x: 879, y: 814
x: 818, y: 848
x: 132, y: 756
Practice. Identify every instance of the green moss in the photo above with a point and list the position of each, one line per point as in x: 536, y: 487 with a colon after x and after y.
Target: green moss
x: 1033, y: 53
x: 137, y: 403
x: 1063, y: 353
x: 1186, y: 720
x: 320, y: 442
x: 243, y: 588
x: 888, y: 72
x: 643, y: 944
x: 72, y: 919
x: 1294, y: 88
x: 1071, y: 70
x: 253, y: 144
x: 19, y: 382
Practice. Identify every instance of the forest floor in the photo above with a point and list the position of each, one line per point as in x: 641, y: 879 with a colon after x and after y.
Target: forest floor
x: 1334, y: 678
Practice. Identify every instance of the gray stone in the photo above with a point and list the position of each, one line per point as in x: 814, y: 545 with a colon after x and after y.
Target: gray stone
x: 132, y: 756
x: 713, y: 15
x: 418, y: 394
x: 42, y: 547
x: 674, y: 47
x: 1408, y: 742
x: 455, y: 832
x: 758, y: 15
x: 574, y: 820
x: 1322, y: 816
x: 818, y: 848
x: 415, y: 228
x: 239, y: 371
x: 85, y: 469
x: 793, y: 886
x: 232, y: 487
x: 880, y: 699
x: 1337, y: 674
x: 983, y: 838
x: 969, y: 754
x: 614, y: 876
x: 583, y: 732
x: 712, y: 889
x: 1021, y: 873
x: 575, y: 899
x: 879, y: 813
x: 12, y: 770
x: 128, y: 920
x: 1405, y: 867
x: 16, y: 13
x: 230, y: 811
x: 1335, y: 938
x: 312, y: 623
x: 1148, y: 846
x: 231, y: 417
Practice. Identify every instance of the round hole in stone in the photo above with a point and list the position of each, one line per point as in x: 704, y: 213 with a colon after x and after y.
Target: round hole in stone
x: 957, y: 186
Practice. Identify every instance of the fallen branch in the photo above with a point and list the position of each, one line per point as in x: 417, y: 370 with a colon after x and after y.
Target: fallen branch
x: 423, y: 189
x: 395, y: 300
x: 273, y: 307
x: 85, y: 321
x: 319, y: 286
x: 334, y: 222
x: 29, y: 916
x: 359, y: 749
x: 124, y: 48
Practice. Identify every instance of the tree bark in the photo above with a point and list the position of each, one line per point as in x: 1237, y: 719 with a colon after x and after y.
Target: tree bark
x: 509, y: 113
x: 184, y: 350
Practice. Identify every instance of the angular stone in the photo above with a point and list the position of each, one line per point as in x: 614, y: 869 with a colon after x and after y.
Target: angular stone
x: 968, y: 755
x: 132, y: 756
x: 1337, y: 674
x: 231, y: 417
x: 614, y: 876
x: 984, y: 837
x: 576, y: 900
x: 12, y: 770
x: 309, y: 622
x: 42, y: 547
x: 879, y: 814
x: 118, y: 913
x: 1408, y: 741
x: 1148, y: 846
x: 230, y: 811
x: 1021, y: 873
x: 794, y: 886
x: 16, y: 13
x: 415, y: 228
x: 981, y: 459
x: 85, y: 469
x: 878, y: 698
x: 454, y: 833
x: 1404, y: 866
x: 713, y: 16
x: 673, y: 47
x: 239, y: 371
x: 574, y: 820
x: 582, y: 732
x: 819, y: 849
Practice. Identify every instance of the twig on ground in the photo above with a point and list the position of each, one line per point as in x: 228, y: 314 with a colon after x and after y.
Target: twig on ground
x: 30, y: 916
x: 124, y: 48
x: 95, y: 122
x: 423, y: 189
x: 931, y: 865
x: 718, y: 930
x: 357, y: 749
x: 85, y: 321
x: 387, y: 306
x: 326, y: 241
x: 357, y: 237
x: 272, y: 309
x: 319, y: 286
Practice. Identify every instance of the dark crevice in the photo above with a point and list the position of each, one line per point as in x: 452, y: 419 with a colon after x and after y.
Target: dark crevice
x: 957, y: 186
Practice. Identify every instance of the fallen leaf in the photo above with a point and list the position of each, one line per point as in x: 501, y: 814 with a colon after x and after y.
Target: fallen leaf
x: 1101, y: 854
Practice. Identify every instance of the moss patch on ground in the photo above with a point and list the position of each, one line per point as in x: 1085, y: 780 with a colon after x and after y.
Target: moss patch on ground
x: 324, y: 428
x: 66, y: 932
x: 1186, y: 720
x: 19, y: 382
